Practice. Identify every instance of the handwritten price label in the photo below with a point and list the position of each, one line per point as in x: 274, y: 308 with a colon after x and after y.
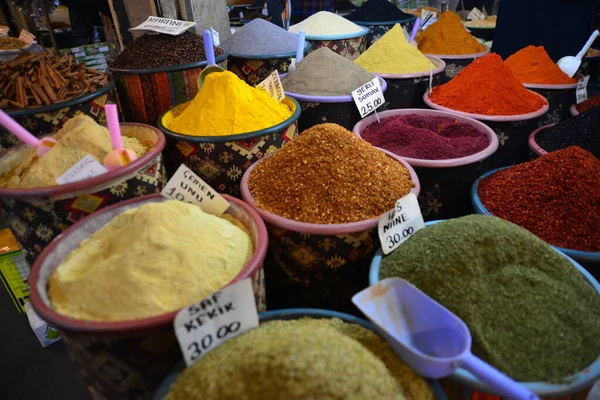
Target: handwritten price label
x: 207, y: 324
x: 85, y: 168
x: 368, y: 97
x: 581, y: 92
x: 476, y: 14
x: 272, y: 85
x: 399, y: 224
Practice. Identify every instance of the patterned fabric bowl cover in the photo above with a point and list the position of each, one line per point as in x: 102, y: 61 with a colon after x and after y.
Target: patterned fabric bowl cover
x: 348, y: 48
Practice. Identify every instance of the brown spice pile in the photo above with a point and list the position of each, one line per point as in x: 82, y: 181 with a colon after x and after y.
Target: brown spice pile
x: 328, y: 176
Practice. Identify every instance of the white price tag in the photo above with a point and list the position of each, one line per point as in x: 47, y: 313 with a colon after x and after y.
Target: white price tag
x: 205, y: 325
x: 215, y: 36
x: 368, y: 97
x: 85, y: 168
x: 292, y: 66
x: 397, y: 225
x: 186, y: 186
x: 425, y: 13
x: 581, y: 92
x: 476, y: 14
x: 164, y: 25
x: 273, y: 86
x: 26, y: 36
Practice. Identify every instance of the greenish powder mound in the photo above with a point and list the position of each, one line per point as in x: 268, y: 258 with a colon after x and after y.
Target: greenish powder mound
x: 532, y: 315
x: 301, y: 359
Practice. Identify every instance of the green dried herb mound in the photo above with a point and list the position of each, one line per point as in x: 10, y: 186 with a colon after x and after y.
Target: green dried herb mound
x: 531, y: 313
x: 301, y: 359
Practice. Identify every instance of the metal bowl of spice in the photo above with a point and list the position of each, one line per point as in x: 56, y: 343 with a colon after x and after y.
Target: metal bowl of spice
x: 447, y: 151
x: 558, y: 289
x: 130, y: 358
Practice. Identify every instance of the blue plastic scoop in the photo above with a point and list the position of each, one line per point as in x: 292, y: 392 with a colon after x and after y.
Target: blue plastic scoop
x: 430, y: 339
x: 211, y: 66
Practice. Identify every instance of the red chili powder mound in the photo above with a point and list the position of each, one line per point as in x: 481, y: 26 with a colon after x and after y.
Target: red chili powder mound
x: 426, y: 138
x: 487, y: 86
x: 556, y: 196
x: 533, y: 65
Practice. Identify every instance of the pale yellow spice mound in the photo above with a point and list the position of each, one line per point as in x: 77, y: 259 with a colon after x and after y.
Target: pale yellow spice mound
x: 78, y: 137
x: 301, y: 359
x: 148, y: 261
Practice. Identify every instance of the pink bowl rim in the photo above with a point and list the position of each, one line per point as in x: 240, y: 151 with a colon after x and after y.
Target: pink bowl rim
x: 460, y: 56
x: 440, y: 66
x: 533, y: 145
x: 561, y: 86
x: 494, y: 118
x: 96, y: 181
x: 453, y: 162
x: 320, y: 229
x: 62, y: 322
x: 573, y: 110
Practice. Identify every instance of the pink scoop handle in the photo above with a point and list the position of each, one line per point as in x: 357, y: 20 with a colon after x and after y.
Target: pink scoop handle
x: 112, y: 120
x: 16, y: 129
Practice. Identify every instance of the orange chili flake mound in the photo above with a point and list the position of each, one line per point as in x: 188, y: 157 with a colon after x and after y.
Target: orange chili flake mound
x: 533, y: 65
x: 487, y: 86
x: 328, y: 175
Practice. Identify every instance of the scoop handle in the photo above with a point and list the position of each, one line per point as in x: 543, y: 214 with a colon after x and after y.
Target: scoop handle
x: 114, y: 130
x: 208, y: 47
x: 588, y: 44
x: 415, y: 29
x: 300, y: 46
x: 16, y: 129
x: 502, y: 384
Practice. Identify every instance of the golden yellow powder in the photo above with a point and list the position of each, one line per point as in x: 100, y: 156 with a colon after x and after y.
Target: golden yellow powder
x: 78, y: 137
x: 226, y: 105
x: 148, y: 261
x: 393, y: 54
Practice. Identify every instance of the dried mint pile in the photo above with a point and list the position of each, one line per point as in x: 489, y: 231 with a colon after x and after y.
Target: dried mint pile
x: 530, y: 311
x: 162, y: 50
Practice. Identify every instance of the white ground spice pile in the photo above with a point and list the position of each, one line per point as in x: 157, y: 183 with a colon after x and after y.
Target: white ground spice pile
x: 301, y: 359
x: 326, y: 23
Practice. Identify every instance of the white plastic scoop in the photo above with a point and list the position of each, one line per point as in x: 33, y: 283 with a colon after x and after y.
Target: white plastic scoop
x: 569, y: 64
x: 430, y: 339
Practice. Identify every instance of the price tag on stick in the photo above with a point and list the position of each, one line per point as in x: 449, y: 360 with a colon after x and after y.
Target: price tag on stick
x: 205, y: 325
x: 272, y: 85
x: 215, y: 36
x: 581, y: 92
x: 164, y: 25
x: 368, y: 97
x: 397, y: 225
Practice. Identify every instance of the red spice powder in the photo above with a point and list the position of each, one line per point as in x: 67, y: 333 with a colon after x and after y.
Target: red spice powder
x: 487, y: 86
x: 425, y: 138
x: 556, y: 196
x: 533, y: 65
x: 589, y: 103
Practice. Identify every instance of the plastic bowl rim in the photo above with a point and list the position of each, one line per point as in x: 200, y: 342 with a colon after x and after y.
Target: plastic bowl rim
x: 533, y: 145
x: 494, y: 118
x: 171, y: 68
x: 460, y: 56
x: 440, y: 66
x: 324, y: 38
x: 455, y: 162
x: 377, y: 23
x: 268, y: 56
x: 320, y: 229
x: 238, y: 137
x: 132, y: 326
x: 96, y: 181
x: 330, y: 99
x: 573, y: 110
x: 559, y: 86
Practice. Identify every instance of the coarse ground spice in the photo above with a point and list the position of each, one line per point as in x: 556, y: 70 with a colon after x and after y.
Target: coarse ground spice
x: 11, y: 43
x: 426, y: 138
x: 487, y: 86
x: 301, y: 359
x: 533, y: 65
x: 581, y: 130
x: 378, y: 11
x: 328, y: 175
x: 589, y: 103
x: 162, y: 50
x: 448, y: 35
x: 325, y: 73
x: 531, y: 313
x: 556, y: 196
x: 260, y: 37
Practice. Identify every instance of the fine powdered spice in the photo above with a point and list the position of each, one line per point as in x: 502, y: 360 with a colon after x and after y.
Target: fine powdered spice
x: 555, y: 196
x: 589, y: 103
x: 328, y: 175
x: 162, y: 50
x: 11, y: 43
x: 533, y: 65
x: 581, y: 130
x: 378, y: 11
x: 226, y: 105
x: 531, y: 313
x: 488, y: 87
x: 325, y: 23
x: 78, y: 137
x: 325, y: 73
x: 148, y: 261
x: 449, y: 36
x: 260, y: 37
x: 301, y: 359
x: 426, y: 138
x: 392, y: 54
